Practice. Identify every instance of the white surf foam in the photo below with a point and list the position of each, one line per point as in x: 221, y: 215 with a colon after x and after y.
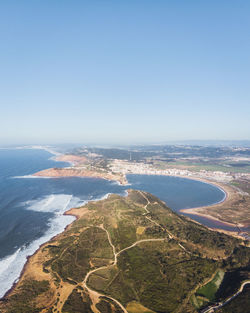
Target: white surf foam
x: 123, y: 194
x: 101, y: 198
x: 52, y: 203
x: 30, y: 176
x: 12, y: 265
x: 46, y: 148
x: 116, y: 182
x: 5, y: 263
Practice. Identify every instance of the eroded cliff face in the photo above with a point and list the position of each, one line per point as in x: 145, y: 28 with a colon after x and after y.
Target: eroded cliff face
x: 80, y: 172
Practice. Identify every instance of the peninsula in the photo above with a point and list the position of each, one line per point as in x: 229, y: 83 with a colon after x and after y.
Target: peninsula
x: 115, y: 164
x: 81, y: 167
x: 131, y: 254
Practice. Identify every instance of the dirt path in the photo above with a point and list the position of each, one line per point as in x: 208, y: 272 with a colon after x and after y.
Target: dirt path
x: 138, y: 242
x: 94, y: 295
x: 171, y: 236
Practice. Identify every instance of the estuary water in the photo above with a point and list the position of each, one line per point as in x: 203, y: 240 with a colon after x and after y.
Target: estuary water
x: 31, y: 209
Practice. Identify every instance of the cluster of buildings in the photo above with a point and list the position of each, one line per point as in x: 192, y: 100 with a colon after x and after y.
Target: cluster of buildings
x: 125, y: 167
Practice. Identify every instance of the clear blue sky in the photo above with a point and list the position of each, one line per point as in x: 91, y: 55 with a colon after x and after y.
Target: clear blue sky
x: 124, y: 71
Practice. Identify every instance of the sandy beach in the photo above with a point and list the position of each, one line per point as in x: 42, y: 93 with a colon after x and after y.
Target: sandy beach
x: 79, y: 170
x: 212, y: 212
x: 231, y: 195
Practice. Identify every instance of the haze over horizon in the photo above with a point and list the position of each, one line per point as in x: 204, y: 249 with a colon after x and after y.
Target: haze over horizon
x: 124, y: 72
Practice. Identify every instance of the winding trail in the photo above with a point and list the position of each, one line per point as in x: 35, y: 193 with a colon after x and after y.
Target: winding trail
x: 94, y: 295
x: 171, y: 236
x: 138, y: 242
x: 150, y: 219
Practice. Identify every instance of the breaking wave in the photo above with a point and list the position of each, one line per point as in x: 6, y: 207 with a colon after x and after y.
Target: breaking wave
x: 12, y: 265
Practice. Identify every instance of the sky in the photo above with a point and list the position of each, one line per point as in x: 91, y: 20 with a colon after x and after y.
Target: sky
x: 133, y: 71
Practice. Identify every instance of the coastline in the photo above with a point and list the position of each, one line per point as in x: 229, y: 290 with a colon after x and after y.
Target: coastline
x: 229, y: 195
x: 73, y: 212
x: 28, y: 258
x: 76, y: 213
x: 36, y: 267
x: 45, y: 148
x: 229, y: 192
x: 79, y: 172
x: 61, y: 158
x: 121, y: 179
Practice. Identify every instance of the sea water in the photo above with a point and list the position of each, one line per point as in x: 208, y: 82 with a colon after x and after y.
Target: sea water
x: 31, y: 209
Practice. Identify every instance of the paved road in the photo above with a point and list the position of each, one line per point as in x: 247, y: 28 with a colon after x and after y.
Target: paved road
x: 221, y: 304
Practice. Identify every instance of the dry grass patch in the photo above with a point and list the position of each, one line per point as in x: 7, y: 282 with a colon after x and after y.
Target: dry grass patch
x: 135, y: 307
x: 140, y: 230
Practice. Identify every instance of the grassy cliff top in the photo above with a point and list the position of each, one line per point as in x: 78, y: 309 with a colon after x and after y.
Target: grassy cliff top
x: 130, y: 254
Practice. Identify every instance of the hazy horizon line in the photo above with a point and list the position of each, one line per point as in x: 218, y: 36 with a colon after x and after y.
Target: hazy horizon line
x: 241, y: 142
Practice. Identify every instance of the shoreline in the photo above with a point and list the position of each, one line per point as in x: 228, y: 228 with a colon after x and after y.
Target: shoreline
x: 73, y: 212
x: 34, y: 147
x: 75, y: 172
x: 220, y: 185
x: 227, y: 190
x: 57, y: 157
x: 70, y: 212
x: 122, y: 180
x: 32, y: 255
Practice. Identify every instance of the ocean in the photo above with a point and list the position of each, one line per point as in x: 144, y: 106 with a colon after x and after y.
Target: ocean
x: 31, y: 209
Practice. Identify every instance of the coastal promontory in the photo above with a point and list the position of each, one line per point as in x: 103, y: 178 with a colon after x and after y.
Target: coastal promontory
x: 130, y: 254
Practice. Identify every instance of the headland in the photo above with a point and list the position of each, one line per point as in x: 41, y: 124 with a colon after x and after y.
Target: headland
x: 126, y: 254
x: 233, y: 210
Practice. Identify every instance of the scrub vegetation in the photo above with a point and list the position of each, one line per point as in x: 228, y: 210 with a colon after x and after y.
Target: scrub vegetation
x: 129, y: 254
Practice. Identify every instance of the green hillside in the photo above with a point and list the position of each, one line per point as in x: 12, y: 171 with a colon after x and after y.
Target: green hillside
x: 130, y: 254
